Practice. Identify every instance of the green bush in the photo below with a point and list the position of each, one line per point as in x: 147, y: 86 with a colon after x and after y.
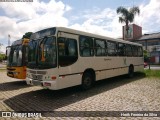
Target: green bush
x: 2, y: 57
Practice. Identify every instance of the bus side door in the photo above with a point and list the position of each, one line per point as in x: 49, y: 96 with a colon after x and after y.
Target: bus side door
x: 68, y: 59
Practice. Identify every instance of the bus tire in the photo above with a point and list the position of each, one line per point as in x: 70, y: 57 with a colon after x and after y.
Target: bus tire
x: 87, y: 81
x: 131, y: 71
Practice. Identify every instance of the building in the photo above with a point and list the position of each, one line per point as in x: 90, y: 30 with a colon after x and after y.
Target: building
x: 134, y: 32
x: 150, y: 42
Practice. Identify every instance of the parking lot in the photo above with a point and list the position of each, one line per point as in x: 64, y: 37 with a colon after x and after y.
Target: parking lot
x: 114, y: 94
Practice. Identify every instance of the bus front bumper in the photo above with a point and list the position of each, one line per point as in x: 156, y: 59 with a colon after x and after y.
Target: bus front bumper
x: 45, y: 84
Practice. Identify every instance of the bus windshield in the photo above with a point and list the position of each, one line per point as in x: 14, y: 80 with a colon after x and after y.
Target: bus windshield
x: 32, y: 53
x: 8, y: 50
x: 42, y: 53
x: 47, y: 53
x: 14, y: 56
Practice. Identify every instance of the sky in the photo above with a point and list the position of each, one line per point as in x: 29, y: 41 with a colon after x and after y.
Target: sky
x: 94, y: 16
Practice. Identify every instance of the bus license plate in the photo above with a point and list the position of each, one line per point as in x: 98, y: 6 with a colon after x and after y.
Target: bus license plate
x: 36, y: 82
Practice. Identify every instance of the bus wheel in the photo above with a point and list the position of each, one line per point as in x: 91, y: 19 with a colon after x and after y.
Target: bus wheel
x: 87, y: 81
x: 131, y: 71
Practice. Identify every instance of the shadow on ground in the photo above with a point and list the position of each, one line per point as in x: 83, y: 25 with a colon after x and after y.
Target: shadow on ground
x: 47, y: 100
x: 14, y: 85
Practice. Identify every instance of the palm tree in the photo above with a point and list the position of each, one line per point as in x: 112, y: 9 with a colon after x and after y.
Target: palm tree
x: 127, y: 15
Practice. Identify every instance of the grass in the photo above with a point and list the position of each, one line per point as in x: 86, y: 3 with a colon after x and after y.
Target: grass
x: 152, y: 73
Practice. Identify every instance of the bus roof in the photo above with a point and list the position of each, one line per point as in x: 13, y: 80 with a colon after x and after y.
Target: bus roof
x: 73, y: 31
x: 53, y: 30
x: 20, y: 41
x: 43, y: 33
x: 17, y: 42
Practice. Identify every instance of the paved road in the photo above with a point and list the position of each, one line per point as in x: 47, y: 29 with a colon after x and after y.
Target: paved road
x: 116, y: 94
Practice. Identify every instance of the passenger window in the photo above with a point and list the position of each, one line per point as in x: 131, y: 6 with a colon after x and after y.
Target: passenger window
x: 129, y: 50
x: 135, y: 51
x: 72, y: 47
x: 140, y: 51
x: 100, y: 47
x: 112, y: 48
x: 86, y: 46
x: 61, y: 46
x: 121, y: 49
x: 67, y: 51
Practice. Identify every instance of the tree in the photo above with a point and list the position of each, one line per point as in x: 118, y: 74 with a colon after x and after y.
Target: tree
x: 2, y: 57
x: 27, y: 35
x: 146, y: 55
x: 127, y: 15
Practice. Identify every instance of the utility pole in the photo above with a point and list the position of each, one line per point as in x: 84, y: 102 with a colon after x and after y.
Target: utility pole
x: 0, y: 46
x: 9, y: 38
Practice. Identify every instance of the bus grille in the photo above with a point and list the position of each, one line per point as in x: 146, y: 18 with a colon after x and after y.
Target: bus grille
x: 37, y: 77
x: 37, y: 72
x: 33, y: 72
x: 41, y: 72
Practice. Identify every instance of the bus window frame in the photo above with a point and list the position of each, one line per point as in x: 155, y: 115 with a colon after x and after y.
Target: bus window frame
x: 105, y: 47
x: 123, y: 51
x: 91, y: 48
x: 66, y: 40
x: 115, y: 50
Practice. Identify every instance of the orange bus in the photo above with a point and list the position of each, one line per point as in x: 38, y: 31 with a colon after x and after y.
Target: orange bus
x: 17, y: 58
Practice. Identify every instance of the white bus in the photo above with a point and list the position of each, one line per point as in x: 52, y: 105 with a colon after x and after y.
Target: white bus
x: 61, y: 57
